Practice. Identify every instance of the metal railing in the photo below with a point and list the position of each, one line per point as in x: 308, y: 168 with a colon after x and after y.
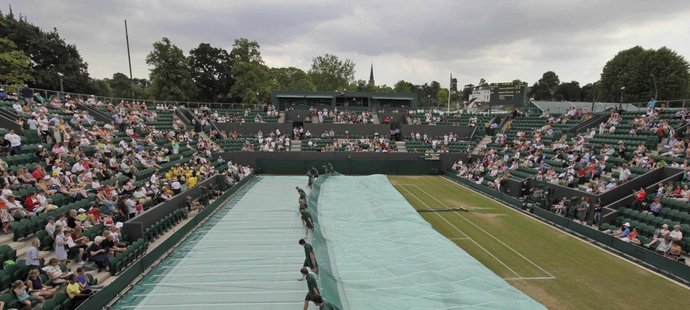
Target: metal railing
x: 47, y: 94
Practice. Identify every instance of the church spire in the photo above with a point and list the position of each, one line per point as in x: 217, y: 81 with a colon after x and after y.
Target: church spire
x: 371, y: 76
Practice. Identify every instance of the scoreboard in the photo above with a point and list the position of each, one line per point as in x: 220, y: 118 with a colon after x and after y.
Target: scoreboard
x: 508, y: 93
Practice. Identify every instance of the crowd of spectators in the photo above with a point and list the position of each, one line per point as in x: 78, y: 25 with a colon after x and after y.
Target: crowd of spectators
x: 344, y: 116
x: 116, y: 168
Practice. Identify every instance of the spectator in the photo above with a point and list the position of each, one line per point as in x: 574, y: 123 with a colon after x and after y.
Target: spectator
x: 83, y: 281
x: 75, y: 292
x: 654, y: 207
x: 675, y: 251
x: 28, y: 94
x: 15, y: 142
x: 623, y: 231
x: 659, y: 235
x: 36, y: 287
x: 55, y: 274
x: 34, y: 259
x: 676, y: 234
x: 19, y: 292
x: 664, y: 246
x: 99, y: 255
x: 5, y: 216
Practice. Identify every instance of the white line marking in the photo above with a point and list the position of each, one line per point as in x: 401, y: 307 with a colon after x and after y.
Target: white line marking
x: 530, y: 278
x: 486, y: 232
x: 458, y: 229
x: 197, y: 305
x: 219, y: 274
x: 215, y: 293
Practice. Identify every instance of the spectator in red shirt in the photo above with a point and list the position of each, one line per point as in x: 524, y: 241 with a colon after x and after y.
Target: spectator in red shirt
x: 32, y: 204
x: 38, y: 173
x: 640, y: 197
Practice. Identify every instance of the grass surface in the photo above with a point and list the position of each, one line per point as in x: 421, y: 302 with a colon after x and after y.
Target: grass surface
x: 556, y: 269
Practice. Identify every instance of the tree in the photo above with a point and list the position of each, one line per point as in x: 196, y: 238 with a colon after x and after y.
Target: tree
x: 211, y: 71
x: 568, y: 92
x: 14, y: 64
x: 545, y: 88
x: 252, y: 83
x: 403, y: 86
x: 49, y: 54
x: 291, y: 78
x: 171, y: 76
x: 442, y: 97
x: 120, y: 85
x: 637, y: 68
x: 102, y: 88
x: 329, y: 73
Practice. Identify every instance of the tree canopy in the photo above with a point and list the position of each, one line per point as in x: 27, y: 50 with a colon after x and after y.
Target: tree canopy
x: 170, y: 73
x: 637, y: 69
x: 211, y: 72
x: 49, y: 54
x: 330, y: 73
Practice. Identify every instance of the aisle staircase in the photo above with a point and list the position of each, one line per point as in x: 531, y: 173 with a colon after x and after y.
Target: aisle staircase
x: 295, y: 146
x: 400, y: 146
x: 375, y: 118
x: 482, y: 144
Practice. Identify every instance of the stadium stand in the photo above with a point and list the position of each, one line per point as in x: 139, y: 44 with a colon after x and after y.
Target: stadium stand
x: 70, y: 181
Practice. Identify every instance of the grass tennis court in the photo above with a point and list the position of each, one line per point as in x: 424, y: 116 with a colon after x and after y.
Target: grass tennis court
x: 556, y: 269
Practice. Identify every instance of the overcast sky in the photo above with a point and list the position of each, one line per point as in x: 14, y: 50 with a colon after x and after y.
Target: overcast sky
x: 418, y: 41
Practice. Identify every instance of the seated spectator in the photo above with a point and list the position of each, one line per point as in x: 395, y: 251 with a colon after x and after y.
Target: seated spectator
x: 664, y: 246
x: 560, y: 207
x: 623, y: 231
x: 55, y: 274
x: 631, y: 237
x: 83, y: 281
x: 99, y: 255
x: 5, y: 217
x: 19, y: 292
x: 659, y: 235
x: 654, y: 207
x: 36, y: 287
x: 76, y: 293
x: 676, y: 234
x: 675, y: 251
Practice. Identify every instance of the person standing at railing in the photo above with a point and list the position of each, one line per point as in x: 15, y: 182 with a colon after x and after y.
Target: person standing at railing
x: 28, y: 94
x: 15, y: 142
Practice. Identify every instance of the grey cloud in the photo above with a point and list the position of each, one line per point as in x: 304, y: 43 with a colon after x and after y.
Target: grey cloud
x: 413, y: 40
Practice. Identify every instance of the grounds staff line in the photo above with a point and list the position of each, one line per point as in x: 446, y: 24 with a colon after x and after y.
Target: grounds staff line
x: 462, y: 232
x: 487, y: 233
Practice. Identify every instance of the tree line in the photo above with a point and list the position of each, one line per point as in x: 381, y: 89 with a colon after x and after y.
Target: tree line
x: 206, y: 73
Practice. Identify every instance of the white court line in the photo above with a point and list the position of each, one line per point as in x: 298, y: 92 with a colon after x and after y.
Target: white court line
x: 215, y: 293
x: 197, y: 305
x: 487, y: 233
x: 530, y: 278
x: 237, y: 252
x: 458, y: 229
x: 460, y: 238
x: 215, y: 259
x: 221, y: 282
x: 220, y: 274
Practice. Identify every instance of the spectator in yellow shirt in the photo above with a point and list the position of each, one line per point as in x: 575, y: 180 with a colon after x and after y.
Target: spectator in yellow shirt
x: 191, y: 181
x: 75, y: 292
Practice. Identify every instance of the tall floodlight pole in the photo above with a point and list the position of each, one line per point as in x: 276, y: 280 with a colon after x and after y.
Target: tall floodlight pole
x: 129, y: 58
x: 656, y: 92
x: 450, y: 89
